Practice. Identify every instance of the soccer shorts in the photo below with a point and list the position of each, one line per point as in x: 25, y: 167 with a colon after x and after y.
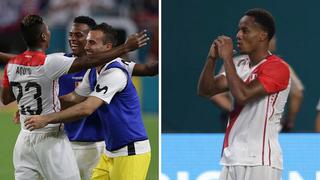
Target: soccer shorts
x: 250, y: 173
x: 122, y: 167
x: 87, y: 155
x: 44, y: 155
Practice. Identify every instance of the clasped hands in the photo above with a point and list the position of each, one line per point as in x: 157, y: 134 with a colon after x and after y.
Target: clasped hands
x: 221, y: 47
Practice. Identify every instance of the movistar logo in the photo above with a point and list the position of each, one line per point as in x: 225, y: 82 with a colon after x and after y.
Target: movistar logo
x: 98, y: 89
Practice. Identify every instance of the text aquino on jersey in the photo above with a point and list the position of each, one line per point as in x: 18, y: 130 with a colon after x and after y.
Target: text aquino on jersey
x: 23, y: 70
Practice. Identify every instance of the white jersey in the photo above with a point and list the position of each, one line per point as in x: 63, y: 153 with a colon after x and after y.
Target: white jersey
x: 251, y: 137
x: 113, y: 78
x: 128, y: 65
x: 33, y: 78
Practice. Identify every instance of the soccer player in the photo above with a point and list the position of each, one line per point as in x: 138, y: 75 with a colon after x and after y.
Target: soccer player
x: 86, y: 135
x: 31, y: 79
x: 224, y: 100
x: 260, y: 87
x: 111, y: 93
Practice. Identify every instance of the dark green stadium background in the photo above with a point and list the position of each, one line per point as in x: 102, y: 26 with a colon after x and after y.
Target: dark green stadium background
x: 188, y: 28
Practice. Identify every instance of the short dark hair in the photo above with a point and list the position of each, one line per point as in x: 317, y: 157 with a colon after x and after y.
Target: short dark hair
x: 110, y: 33
x: 265, y: 19
x: 85, y: 20
x: 31, y: 29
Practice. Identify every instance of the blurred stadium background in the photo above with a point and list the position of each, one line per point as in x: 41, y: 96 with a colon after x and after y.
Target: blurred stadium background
x: 188, y: 30
x: 127, y: 16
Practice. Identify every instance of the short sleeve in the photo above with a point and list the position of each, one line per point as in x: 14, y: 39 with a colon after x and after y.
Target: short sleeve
x: 274, y: 76
x: 110, y: 82
x: 57, y: 65
x: 84, y: 87
x: 5, y: 80
x: 128, y: 65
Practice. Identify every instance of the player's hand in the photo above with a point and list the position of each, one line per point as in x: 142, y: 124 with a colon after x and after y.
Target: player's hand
x: 16, y: 117
x: 136, y: 40
x: 213, y: 52
x: 35, y: 122
x: 225, y: 47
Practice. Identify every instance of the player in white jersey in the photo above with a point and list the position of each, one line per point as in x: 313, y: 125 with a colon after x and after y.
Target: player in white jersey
x: 224, y: 100
x: 260, y: 88
x: 31, y: 79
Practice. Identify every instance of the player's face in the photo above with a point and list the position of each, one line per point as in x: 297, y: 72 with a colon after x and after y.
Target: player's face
x: 248, y: 35
x: 95, y: 43
x: 77, y: 38
x: 47, y: 34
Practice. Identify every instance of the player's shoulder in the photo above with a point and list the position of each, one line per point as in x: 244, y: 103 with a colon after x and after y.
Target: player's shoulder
x: 124, y: 62
x: 55, y: 55
x: 274, y: 60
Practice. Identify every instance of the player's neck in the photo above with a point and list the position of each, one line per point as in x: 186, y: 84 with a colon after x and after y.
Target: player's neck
x: 36, y: 49
x: 257, y: 57
x: 99, y: 68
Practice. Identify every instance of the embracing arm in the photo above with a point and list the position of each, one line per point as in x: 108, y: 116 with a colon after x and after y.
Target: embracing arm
x: 70, y: 99
x: 5, y: 57
x: 7, y: 95
x: 134, y: 42
x: 6, y: 92
x: 148, y: 69
x: 73, y: 113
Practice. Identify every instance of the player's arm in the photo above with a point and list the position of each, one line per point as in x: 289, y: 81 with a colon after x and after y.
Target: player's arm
x: 148, y: 69
x: 134, y: 42
x: 241, y: 91
x: 70, y: 99
x: 110, y: 82
x: 73, y: 113
x: 5, y: 57
x: 294, y: 101
x: 7, y: 95
x: 223, y: 101
x: 208, y: 84
x: 270, y: 81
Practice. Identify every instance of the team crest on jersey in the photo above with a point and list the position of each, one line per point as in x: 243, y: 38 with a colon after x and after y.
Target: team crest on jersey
x: 252, y: 77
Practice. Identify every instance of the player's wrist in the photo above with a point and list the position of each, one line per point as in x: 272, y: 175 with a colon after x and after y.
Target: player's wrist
x: 211, y: 58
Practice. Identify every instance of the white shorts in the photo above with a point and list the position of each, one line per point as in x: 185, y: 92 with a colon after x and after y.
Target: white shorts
x: 44, y: 155
x: 87, y: 155
x: 250, y: 173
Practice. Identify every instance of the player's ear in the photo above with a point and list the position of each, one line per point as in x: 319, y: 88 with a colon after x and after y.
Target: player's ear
x: 263, y: 36
x: 43, y: 37
x: 109, y: 45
